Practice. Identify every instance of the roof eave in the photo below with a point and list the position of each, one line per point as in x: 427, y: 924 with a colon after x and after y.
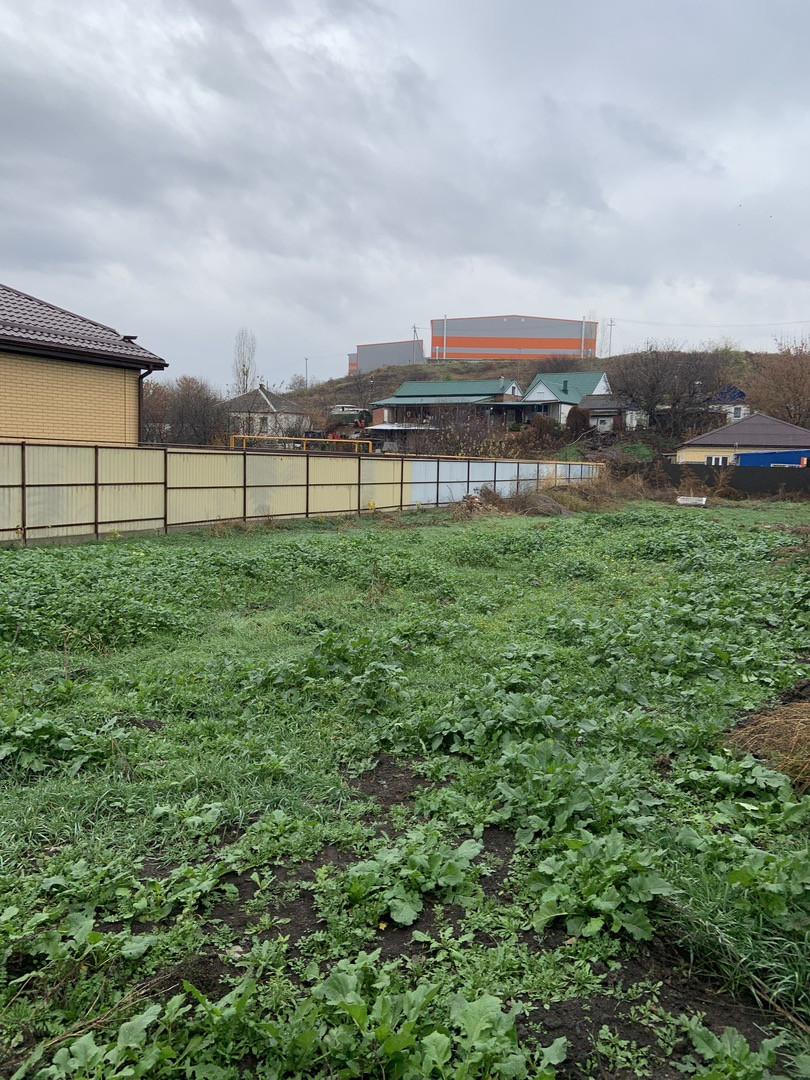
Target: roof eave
x: 52, y: 352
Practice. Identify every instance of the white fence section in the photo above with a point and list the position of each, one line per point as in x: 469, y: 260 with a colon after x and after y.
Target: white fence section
x: 53, y: 491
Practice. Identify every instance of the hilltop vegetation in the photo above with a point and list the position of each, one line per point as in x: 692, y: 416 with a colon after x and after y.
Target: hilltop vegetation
x: 356, y: 799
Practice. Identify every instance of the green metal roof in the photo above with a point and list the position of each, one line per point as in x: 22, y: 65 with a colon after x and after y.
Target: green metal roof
x: 455, y: 388
x: 580, y: 383
x: 427, y: 399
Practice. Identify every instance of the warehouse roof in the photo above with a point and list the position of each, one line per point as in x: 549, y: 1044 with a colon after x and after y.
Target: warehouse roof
x: 37, y: 328
x: 755, y: 430
x: 568, y: 387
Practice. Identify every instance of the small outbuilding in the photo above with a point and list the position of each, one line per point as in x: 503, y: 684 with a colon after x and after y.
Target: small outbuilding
x: 756, y: 432
x: 610, y: 412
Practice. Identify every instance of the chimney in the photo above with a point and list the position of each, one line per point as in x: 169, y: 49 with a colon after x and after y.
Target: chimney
x: 565, y: 386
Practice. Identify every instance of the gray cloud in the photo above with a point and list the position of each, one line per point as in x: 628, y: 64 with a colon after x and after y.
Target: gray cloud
x: 328, y: 172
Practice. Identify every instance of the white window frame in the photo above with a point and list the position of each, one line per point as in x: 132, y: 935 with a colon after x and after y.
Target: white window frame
x: 717, y: 459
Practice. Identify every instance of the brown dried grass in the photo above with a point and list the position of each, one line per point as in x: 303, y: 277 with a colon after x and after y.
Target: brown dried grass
x: 780, y: 736
x: 528, y: 502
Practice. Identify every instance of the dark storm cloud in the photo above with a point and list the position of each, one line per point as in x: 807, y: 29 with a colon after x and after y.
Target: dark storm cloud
x: 325, y: 170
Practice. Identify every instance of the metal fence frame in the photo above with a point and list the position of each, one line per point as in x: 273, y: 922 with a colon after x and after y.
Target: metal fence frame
x: 357, y: 489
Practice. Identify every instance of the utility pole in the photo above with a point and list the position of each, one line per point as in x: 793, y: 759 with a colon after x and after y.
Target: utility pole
x: 413, y: 350
x: 444, y: 356
x: 611, y: 324
x: 306, y: 373
x: 582, y: 340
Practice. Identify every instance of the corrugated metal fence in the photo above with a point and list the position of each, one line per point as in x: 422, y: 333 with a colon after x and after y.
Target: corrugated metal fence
x: 51, y: 491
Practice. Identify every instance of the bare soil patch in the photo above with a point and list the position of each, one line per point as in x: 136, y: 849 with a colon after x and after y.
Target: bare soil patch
x: 391, y: 782
x: 499, y: 843
x: 676, y: 992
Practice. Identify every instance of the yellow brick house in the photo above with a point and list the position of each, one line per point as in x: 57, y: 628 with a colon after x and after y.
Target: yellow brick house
x: 65, y: 378
x: 754, y: 433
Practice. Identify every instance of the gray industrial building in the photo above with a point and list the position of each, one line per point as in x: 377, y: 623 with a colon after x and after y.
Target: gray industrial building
x: 511, y: 337
x: 386, y: 354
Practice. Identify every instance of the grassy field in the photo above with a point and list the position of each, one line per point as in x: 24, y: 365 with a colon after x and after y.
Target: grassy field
x: 405, y: 797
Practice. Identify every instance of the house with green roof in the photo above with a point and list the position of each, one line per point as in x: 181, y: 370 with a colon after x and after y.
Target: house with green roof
x: 555, y: 393
x: 434, y: 403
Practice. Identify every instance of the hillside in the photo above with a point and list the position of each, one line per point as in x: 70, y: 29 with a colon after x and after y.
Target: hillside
x: 362, y: 389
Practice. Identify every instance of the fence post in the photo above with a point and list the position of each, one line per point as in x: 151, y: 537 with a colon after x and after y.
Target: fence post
x: 468, y: 477
x: 359, y: 477
x: 95, y: 492
x: 306, y: 484
x: 401, y: 484
x: 438, y: 466
x: 23, y: 497
x: 495, y: 477
x: 244, y: 486
x: 165, y: 489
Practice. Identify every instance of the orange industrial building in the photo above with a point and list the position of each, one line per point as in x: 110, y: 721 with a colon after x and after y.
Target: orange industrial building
x: 511, y: 337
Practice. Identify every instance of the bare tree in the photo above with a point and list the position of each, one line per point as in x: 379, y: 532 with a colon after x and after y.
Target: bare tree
x: 243, y: 369
x: 154, y: 411
x: 669, y: 385
x: 185, y: 411
x: 779, y: 384
x: 195, y: 413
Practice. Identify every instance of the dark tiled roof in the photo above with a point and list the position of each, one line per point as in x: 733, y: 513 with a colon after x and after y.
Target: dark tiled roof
x: 34, y: 326
x: 262, y: 400
x: 604, y: 401
x: 755, y: 430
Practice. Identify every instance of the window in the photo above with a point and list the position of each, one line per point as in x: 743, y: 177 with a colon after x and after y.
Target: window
x: 736, y: 412
x: 716, y: 459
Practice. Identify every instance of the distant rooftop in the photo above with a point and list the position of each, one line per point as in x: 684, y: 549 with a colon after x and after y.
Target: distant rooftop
x: 756, y: 430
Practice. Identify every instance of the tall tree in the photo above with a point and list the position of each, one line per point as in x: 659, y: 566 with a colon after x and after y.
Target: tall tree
x: 779, y: 383
x: 243, y: 369
x: 154, y: 410
x: 669, y: 385
x: 185, y: 411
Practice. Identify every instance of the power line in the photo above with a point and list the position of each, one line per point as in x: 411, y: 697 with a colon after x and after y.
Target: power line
x: 714, y: 326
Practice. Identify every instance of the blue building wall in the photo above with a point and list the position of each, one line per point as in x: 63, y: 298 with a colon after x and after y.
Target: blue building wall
x: 774, y: 457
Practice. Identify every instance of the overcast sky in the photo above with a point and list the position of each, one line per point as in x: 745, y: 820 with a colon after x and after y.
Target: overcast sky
x: 329, y: 172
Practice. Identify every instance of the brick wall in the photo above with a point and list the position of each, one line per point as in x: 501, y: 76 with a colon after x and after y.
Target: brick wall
x: 67, y: 401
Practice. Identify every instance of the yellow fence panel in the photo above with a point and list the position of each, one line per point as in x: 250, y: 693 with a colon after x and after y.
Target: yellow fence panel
x: 204, y: 504
x: 333, y: 470
x: 275, y: 469
x: 118, y: 502
x: 212, y: 469
x: 127, y: 466
x: 10, y: 463
x: 60, y: 464
x: 10, y: 513
x: 60, y: 505
x: 276, y: 502
x: 380, y: 487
